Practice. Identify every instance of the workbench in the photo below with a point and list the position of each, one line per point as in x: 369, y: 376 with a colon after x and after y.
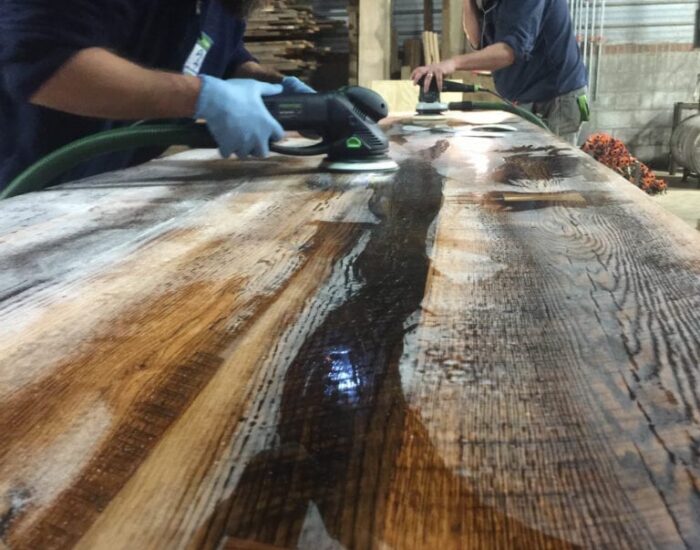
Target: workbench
x: 498, y: 346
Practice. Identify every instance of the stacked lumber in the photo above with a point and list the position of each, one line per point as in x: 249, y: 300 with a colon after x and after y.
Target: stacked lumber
x: 431, y: 47
x: 283, y: 34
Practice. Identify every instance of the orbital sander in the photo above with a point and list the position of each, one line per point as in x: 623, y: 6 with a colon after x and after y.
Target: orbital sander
x: 430, y: 104
x: 346, y: 121
x: 431, y: 108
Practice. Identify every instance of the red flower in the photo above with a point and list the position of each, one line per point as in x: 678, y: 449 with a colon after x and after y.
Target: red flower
x: 612, y: 153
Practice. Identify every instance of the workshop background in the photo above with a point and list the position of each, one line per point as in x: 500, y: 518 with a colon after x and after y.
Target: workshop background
x: 643, y: 56
x: 438, y: 326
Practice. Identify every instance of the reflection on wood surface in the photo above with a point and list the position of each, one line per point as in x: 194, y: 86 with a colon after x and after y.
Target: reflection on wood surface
x: 497, y: 346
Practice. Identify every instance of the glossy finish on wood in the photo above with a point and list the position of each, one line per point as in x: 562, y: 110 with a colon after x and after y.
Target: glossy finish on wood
x: 495, y: 347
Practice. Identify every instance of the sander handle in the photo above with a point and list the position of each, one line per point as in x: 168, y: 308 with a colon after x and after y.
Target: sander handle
x: 345, y: 121
x: 433, y: 94
x: 300, y: 112
x: 321, y: 148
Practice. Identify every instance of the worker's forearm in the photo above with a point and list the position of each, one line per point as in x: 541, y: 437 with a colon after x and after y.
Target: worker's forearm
x: 254, y: 70
x: 494, y: 57
x: 98, y: 83
x: 471, y: 23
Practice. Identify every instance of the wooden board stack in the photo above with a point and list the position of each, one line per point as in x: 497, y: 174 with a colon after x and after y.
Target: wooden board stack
x: 431, y: 42
x: 431, y: 48
x: 282, y: 34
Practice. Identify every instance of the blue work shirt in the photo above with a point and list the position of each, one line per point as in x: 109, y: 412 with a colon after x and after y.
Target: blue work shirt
x: 39, y: 36
x: 548, y: 61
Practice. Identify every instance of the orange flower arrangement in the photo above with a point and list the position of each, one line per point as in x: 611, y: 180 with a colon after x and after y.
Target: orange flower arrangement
x: 612, y: 153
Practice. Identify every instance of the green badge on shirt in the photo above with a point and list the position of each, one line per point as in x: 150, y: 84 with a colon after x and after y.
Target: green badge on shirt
x: 194, y: 62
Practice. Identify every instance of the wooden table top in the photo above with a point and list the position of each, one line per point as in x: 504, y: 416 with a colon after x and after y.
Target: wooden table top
x: 497, y: 346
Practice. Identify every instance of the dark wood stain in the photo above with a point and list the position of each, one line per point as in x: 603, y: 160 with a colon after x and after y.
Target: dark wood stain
x: 533, y: 164
x: 345, y: 426
x: 553, y: 396
x: 178, y: 375
x: 521, y: 202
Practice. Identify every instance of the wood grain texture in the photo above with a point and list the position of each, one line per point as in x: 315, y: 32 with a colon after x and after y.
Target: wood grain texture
x: 496, y: 347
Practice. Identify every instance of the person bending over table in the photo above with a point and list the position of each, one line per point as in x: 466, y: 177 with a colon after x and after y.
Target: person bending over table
x: 74, y: 68
x: 531, y: 48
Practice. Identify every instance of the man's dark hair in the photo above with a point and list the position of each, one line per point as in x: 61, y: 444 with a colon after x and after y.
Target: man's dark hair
x: 240, y: 8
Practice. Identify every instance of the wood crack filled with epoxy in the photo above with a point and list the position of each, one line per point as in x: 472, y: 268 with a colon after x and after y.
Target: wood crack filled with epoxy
x: 546, y: 392
x: 345, y: 428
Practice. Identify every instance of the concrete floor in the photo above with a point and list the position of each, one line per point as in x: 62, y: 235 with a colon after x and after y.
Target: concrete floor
x: 682, y: 199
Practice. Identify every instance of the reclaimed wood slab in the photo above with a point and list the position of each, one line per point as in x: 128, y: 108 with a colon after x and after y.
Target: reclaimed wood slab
x: 497, y: 346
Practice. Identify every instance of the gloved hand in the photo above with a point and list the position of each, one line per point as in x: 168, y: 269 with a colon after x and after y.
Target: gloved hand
x: 237, y: 117
x: 292, y: 85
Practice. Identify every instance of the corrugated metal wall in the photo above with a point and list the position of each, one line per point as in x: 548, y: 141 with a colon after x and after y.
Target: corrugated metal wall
x: 408, y: 18
x: 650, y: 21
x: 627, y: 21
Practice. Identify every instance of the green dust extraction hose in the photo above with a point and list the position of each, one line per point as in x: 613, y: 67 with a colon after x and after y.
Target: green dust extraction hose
x: 48, y: 169
x: 497, y: 106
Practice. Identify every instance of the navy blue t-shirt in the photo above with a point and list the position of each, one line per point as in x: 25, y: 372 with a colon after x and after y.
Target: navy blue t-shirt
x: 39, y: 36
x: 548, y: 59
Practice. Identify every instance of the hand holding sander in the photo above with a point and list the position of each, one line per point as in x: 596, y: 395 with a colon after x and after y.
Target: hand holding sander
x: 430, y: 104
x: 345, y: 120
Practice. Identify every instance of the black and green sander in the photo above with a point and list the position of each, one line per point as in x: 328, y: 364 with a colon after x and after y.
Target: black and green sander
x: 344, y: 121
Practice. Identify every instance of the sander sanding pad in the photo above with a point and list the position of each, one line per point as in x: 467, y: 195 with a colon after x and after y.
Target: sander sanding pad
x: 377, y: 165
x: 429, y: 118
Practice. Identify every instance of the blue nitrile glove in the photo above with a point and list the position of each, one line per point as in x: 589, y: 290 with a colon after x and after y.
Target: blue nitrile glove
x: 237, y: 117
x: 292, y: 85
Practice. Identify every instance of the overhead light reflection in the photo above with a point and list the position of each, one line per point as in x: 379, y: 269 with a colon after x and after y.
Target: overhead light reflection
x: 343, y: 379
